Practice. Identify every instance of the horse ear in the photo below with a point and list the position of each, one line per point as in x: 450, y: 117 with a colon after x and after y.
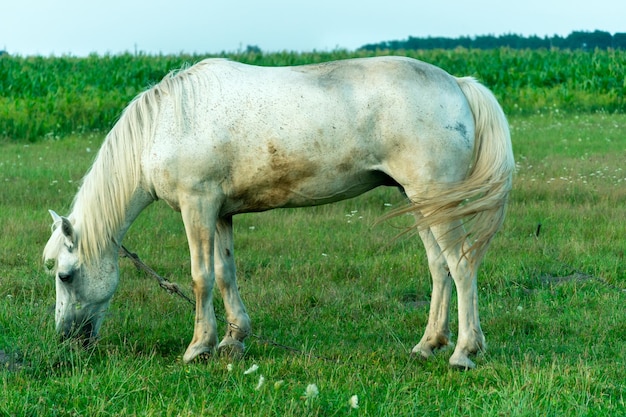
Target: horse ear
x: 55, y: 217
x: 66, y: 228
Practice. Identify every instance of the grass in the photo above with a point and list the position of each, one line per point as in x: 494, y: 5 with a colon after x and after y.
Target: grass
x: 324, y: 281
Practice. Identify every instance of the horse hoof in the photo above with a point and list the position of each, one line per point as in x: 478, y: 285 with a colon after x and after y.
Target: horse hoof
x: 231, y: 349
x: 198, y: 352
x: 461, y: 362
x: 421, y: 353
x: 426, y: 350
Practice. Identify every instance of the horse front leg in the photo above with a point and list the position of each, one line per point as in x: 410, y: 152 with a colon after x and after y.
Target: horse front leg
x: 199, y: 220
x: 437, y: 333
x: 238, y: 326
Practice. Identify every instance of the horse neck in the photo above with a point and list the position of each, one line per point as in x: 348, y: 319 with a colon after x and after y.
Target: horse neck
x: 138, y: 202
x: 99, y: 235
x: 111, y: 196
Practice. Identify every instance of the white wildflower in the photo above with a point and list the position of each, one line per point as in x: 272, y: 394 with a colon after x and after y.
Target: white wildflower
x: 354, y: 402
x: 229, y: 367
x: 311, y: 393
x: 260, y: 383
x: 251, y: 369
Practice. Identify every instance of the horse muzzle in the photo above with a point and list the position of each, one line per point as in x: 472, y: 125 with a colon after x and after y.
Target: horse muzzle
x: 81, y: 327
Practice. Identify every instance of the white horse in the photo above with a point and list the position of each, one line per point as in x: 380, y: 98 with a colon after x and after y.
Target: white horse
x: 222, y: 138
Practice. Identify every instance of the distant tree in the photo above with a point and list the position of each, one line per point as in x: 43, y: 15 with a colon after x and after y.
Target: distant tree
x: 414, y: 43
x: 575, y: 40
x: 600, y: 39
x: 485, y: 42
x: 465, y: 42
x: 253, y: 49
x: 589, y: 40
x: 619, y: 41
x: 535, y: 42
x: 512, y: 41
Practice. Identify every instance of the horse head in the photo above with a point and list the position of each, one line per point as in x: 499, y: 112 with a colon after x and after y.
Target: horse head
x: 83, y: 289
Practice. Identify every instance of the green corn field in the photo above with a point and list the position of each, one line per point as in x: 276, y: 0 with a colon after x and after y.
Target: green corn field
x: 58, y: 96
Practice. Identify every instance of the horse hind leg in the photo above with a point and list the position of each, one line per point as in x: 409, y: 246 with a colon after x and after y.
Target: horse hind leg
x: 463, y: 269
x: 437, y: 333
x: 238, y: 321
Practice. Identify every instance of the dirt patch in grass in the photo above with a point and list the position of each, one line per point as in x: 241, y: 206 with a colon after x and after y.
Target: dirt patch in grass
x: 10, y: 361
x: 575, y: 277
x: 578, y: 277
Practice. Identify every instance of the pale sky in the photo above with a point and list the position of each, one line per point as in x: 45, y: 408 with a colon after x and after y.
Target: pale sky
x: 80, y: 27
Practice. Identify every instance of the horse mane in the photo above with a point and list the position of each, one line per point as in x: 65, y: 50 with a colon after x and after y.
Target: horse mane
x: 100, y: 205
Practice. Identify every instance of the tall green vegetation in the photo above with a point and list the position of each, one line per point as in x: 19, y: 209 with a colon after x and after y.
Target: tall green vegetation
x: 57, y: 96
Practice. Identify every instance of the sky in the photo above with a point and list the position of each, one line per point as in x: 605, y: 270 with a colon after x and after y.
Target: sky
x: 81, y: 27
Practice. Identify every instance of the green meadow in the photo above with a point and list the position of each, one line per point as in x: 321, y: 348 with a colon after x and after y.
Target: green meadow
x: 337, y: 302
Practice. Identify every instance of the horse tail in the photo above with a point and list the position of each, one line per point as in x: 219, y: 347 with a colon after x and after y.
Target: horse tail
x: 490, y: 178
x: 480, y: 199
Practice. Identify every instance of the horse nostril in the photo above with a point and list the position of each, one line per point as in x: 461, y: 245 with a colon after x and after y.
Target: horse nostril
x: 65, y: 277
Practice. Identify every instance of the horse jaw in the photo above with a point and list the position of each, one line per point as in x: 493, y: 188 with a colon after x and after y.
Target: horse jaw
x: 81, y: 303
x: 76, y: 318
x: 74, y: 321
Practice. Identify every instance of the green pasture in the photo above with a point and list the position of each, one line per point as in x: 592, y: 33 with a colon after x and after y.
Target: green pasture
x: 347, y: 299
x: 352, y: 301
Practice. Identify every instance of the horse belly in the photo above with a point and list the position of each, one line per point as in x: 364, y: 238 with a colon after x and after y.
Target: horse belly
x: 299, y: 188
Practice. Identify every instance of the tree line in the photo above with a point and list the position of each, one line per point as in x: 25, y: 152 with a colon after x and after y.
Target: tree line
x: 574, y: 41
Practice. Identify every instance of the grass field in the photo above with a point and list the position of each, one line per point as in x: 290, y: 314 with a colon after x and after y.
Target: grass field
x: 325, y: 282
